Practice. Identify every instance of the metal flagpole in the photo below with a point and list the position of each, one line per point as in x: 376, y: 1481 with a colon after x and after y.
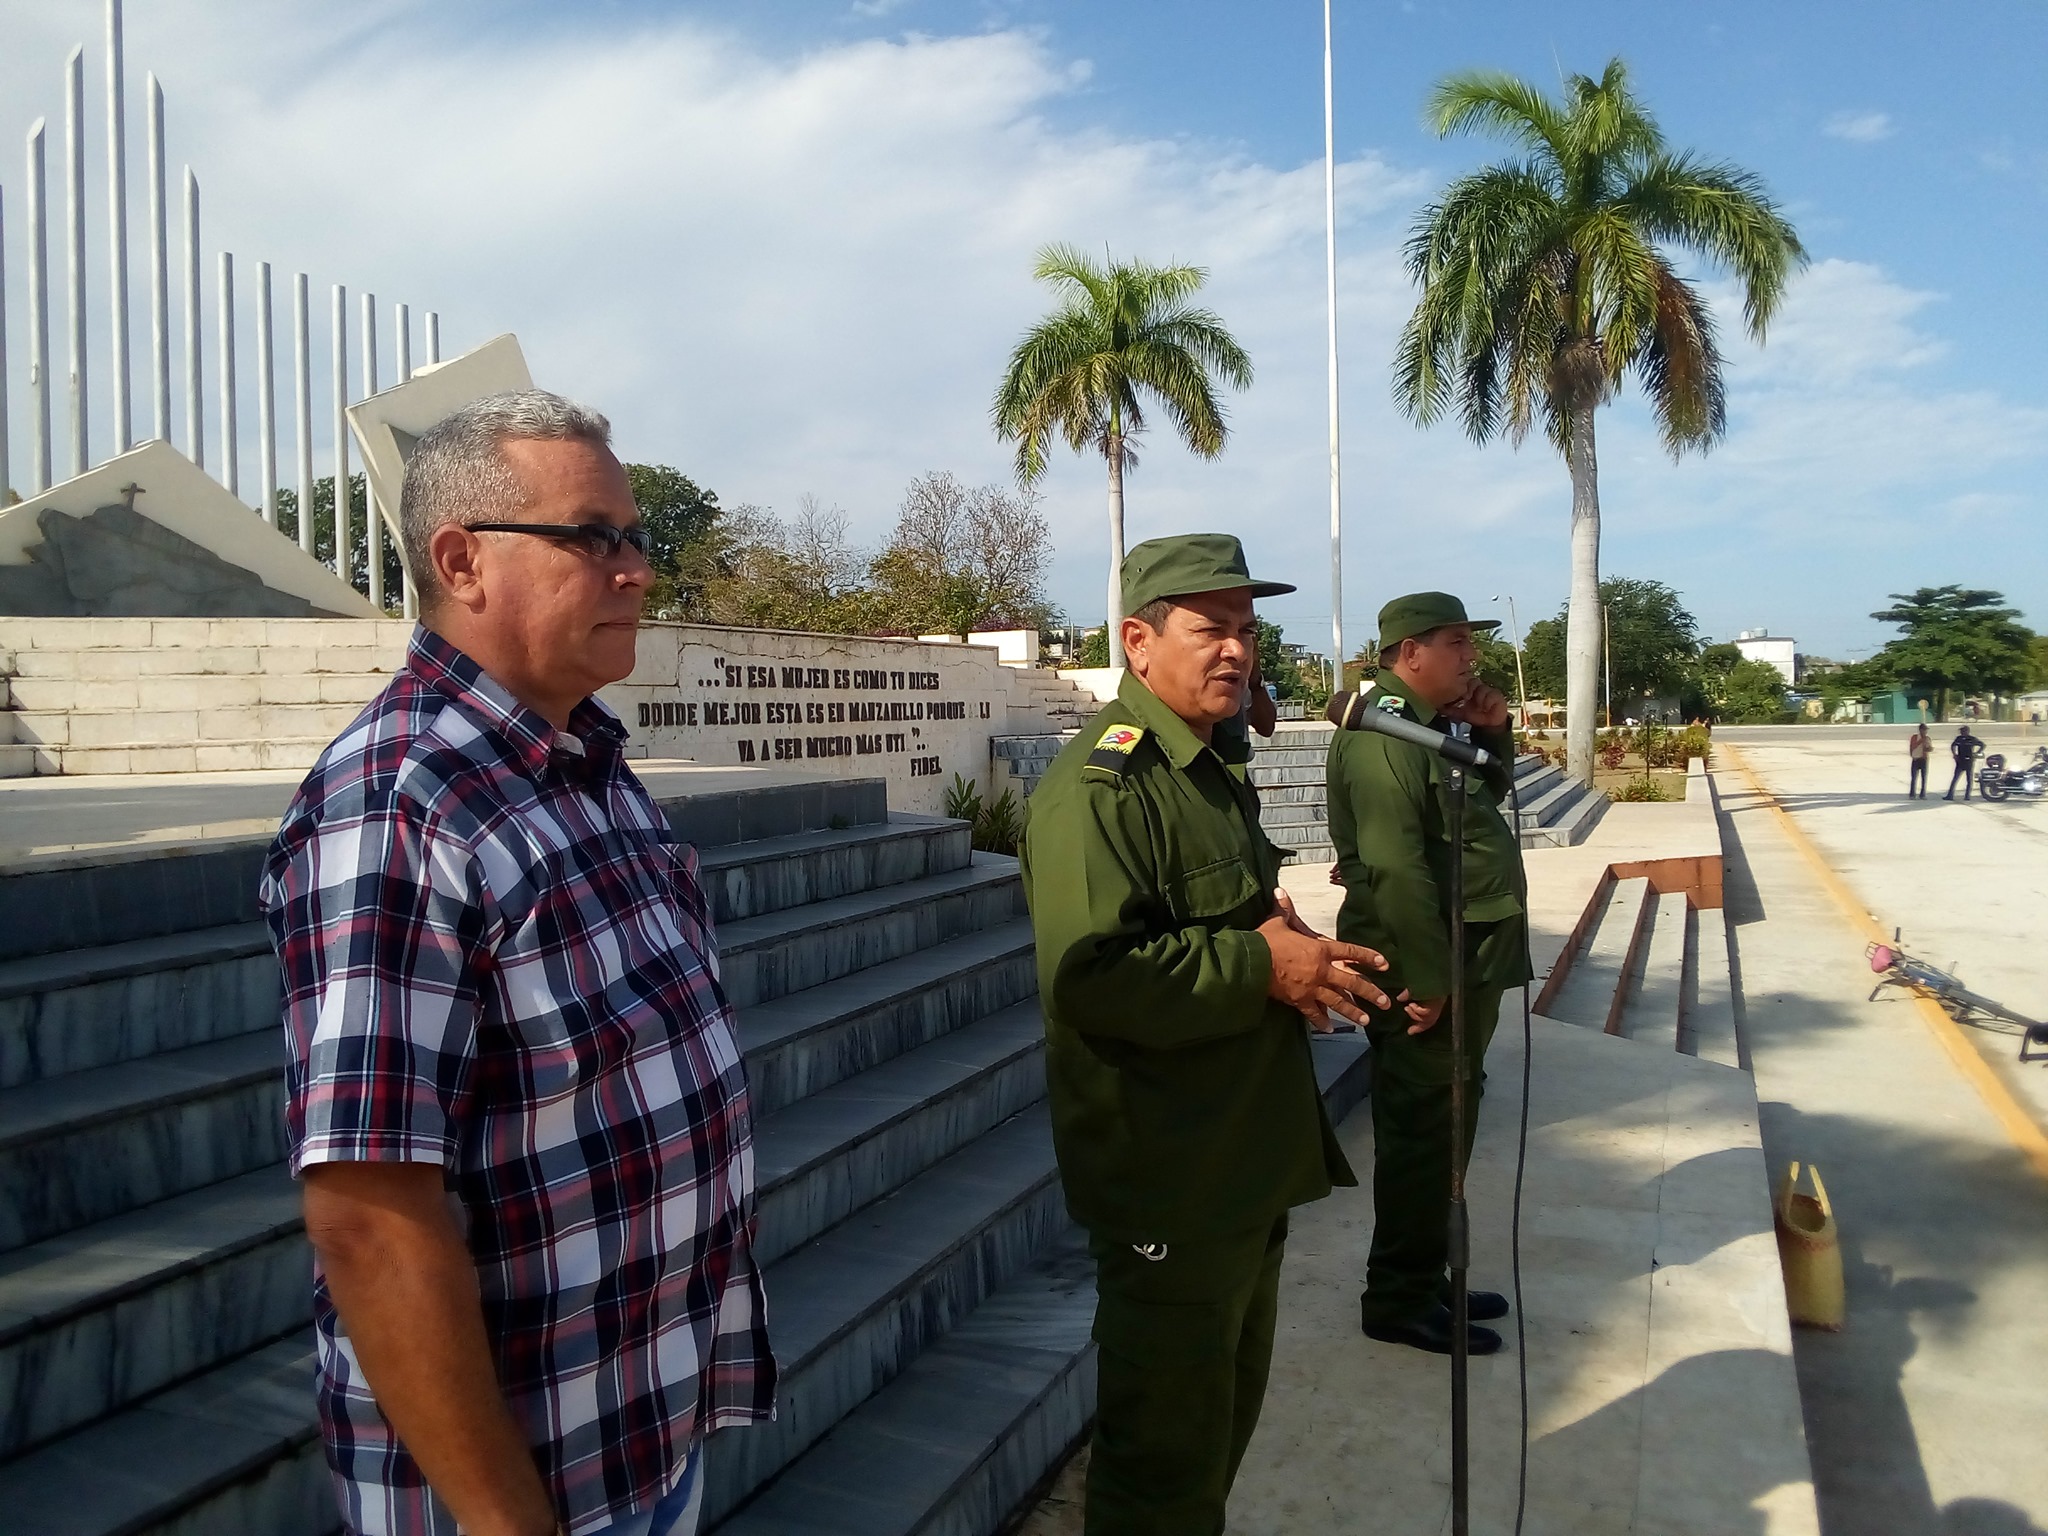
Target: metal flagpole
x: 117, y: 221
x: 1330, y: 262
x: 159, y: 267
x: 74, y: 246
x: 266, y: 395
x: 433, y: 336
x: 373, y: 519
x: 230, y: 446
x: 195, y: 399
x: 341, y: 540
x: 302, y: 371
x: 38, y: 309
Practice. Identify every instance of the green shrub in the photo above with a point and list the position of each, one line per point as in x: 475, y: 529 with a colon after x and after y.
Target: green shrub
x: 963, y: 800
x: 998, y: 824
x: 1641, y: 787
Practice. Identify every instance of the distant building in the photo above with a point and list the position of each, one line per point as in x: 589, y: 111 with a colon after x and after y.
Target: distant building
x: 1781, y: 651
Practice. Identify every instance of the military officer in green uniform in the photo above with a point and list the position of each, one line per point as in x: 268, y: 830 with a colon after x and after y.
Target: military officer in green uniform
x: 1388, y: 822
x: 1179, y: 989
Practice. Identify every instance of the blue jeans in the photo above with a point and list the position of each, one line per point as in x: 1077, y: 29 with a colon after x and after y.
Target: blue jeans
x: 676, y: 1512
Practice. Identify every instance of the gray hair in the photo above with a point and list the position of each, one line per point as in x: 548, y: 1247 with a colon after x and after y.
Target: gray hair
x: 457, y: 473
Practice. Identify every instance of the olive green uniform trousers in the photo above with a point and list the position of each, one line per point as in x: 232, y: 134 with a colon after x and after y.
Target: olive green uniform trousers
x: 1406, y: 1274
x: 1183, y: 1342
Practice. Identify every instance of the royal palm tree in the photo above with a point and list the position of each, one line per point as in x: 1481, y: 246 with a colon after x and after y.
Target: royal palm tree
x: 1545, y: 280
x: 1124, y: 333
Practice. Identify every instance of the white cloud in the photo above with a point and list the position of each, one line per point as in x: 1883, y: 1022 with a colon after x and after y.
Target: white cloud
x: 1859, y: 127
x: 805, y: 273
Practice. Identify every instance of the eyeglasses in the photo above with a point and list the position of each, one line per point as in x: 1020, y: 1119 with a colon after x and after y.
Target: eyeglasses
x: 600, y: 539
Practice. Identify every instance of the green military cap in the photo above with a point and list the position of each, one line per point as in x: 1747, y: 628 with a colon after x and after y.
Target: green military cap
x: 1420, y: 612
x: 1188, y: 563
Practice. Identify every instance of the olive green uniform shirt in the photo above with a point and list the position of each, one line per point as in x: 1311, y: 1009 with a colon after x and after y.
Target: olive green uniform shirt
x: 1389, y: 820
x: 1184, y: 1101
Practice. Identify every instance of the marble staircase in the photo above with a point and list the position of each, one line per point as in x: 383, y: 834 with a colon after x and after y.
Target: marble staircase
x: 1648, y: 966
x: 1289, y: 769
x: 186, y: 695
x: 929, y: 1301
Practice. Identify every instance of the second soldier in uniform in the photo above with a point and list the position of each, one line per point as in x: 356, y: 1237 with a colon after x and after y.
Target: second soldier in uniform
x: 1387, y: 820
x: 1178, y: 990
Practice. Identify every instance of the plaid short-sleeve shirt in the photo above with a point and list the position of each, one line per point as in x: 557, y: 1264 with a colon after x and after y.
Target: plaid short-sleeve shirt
x: 494, y: 961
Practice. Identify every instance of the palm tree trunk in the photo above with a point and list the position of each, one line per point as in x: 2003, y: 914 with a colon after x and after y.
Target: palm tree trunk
x: 1116, y: 550
x: 1582, y: 623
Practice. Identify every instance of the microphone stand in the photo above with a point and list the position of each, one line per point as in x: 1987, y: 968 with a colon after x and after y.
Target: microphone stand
x: 1460, y: 1244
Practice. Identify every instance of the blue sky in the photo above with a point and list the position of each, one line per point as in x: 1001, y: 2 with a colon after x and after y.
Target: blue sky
x: 787, y: 244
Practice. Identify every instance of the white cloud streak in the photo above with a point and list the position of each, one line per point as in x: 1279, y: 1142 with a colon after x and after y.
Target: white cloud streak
x: 1859, y: 127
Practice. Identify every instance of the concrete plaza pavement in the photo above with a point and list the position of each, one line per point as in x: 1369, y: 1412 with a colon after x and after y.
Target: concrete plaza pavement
x: 1925, y: 1415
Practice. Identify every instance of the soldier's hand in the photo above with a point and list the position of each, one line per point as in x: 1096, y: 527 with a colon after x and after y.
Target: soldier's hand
x: 1317, y: 976
x: 1482, y: 706
x: 1425, y: 1013
x: 1286, y: 905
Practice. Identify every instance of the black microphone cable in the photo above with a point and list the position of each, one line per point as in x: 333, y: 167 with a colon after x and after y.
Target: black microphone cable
x: 1521, y: 1167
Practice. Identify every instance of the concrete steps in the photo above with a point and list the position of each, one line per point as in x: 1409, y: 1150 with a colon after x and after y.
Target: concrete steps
x: 961, y: 1436
x: 1649, y: 967
x: 1290, y: 772
x: 186, y: 695
x: 154, y: 1276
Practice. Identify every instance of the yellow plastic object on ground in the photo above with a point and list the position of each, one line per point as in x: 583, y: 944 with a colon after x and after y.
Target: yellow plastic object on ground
x: 1810, y: 1252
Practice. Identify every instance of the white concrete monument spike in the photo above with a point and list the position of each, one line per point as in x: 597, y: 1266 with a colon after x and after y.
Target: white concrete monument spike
x: 230, y: 444
x: 266, y: 395
x: 373, y: 517
x: 74, y: 248
x: 117, y: 221
x: 302, y: 374
x: 409, y: 600
x: 341, y: 544
x: 159, y: 268
x: 195, y: 398
x: 38, y: 309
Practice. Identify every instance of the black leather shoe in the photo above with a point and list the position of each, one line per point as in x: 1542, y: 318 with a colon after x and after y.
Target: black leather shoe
x: 1480, y: 1306
x: 1485, y: 1306
x: 1431, y: 1332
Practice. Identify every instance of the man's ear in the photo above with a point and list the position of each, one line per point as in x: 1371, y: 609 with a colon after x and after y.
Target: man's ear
x: 1137, y: 638
x: 458, y: 557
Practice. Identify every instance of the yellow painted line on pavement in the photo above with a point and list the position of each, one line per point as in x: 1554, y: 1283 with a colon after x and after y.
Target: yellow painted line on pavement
x: 2023, y: 1129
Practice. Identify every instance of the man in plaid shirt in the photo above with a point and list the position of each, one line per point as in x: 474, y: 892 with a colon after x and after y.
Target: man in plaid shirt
x: 516, y: 1100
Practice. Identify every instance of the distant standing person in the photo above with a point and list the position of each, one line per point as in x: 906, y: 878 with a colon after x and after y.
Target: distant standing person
x: 1918, y: 748
x: 1964, y: 750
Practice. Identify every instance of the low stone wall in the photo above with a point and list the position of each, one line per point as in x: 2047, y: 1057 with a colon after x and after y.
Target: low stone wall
x: 154, y: 695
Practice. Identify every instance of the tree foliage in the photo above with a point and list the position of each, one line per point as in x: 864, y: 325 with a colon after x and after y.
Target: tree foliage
x: 1753, y: 694
x: 358, y: 573
x: 1125, y: 334
x: 1548, y: 279
x: 1125, y: 337
x: 1957, y: 639
x: 960, y: 558
x: 682, y: 521
x: 964, y: 558
x: 1652, y: 637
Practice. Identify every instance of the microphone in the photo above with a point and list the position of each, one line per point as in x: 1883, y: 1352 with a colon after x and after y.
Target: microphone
x: 1350, y: 712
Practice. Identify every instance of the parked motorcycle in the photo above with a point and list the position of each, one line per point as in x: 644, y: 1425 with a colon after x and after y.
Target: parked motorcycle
x: 1995, y: 781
